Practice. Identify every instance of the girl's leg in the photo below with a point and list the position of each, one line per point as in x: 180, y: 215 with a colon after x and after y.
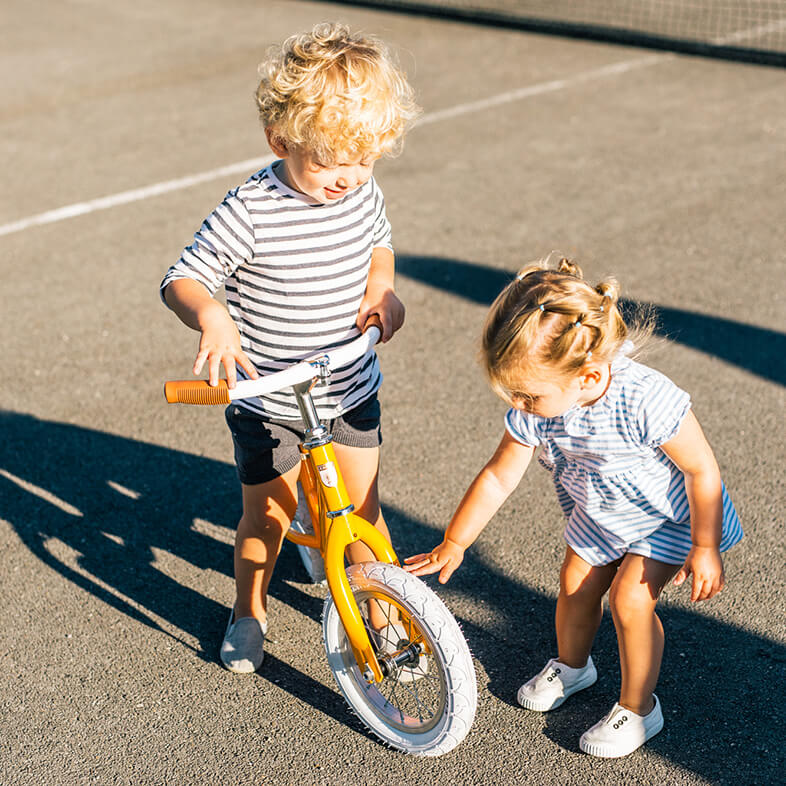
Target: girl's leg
x: 634, y: 594
x: 579, y: 606
x: 268, y: 509
x: 579, y: 609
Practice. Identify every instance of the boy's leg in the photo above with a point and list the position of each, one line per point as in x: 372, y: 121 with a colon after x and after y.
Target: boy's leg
x: 634, y: 594
x: 579, y: 606
x: 360, y: 470
x: 268, y: 509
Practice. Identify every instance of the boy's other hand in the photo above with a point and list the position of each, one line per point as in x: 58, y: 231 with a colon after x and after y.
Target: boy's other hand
x: 445, y: 558
x: 385, y: 305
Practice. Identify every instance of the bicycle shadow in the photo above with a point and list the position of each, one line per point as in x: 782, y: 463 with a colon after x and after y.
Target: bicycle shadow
x: 759, y: 350
x: 103, y: 510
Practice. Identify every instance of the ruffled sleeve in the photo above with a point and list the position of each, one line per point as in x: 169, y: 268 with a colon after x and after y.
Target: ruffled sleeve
x: 523, y: 427
x: 661, y: 409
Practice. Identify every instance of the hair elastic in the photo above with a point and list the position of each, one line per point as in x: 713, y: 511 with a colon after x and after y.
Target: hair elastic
x: 577, y: 323
x: 542, y: 307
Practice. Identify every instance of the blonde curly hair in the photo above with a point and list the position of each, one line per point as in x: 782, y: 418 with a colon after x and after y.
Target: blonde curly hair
x: 335, y: 93
x: 550, y: 323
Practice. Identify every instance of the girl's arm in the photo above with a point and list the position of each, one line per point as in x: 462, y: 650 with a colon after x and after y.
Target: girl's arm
x: 220, y: 340
x: 691, y: 452
x: 380, y: 298
x: 493, y: 485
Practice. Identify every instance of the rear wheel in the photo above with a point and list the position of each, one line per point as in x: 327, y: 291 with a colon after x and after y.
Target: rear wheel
x: 426, y: 703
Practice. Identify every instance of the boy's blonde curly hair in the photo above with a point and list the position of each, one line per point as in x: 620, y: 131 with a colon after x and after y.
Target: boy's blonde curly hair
x: 334, y: 93
x: 550, y: 323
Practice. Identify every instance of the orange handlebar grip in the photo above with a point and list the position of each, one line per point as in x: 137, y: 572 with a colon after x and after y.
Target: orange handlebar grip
x: 196, y: 391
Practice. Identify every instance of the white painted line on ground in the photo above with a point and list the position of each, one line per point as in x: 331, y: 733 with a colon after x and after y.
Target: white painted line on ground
x: 253, y: 164
x: 135, y: 195
x: 540, y: 89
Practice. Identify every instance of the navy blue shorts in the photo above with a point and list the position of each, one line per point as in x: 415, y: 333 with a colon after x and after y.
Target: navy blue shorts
x: 266, y: 448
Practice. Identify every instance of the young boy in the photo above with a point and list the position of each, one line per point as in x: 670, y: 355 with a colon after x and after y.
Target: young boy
x: 304, y: 251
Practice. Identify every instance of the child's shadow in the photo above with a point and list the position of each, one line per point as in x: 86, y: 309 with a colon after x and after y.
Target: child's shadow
x: 760, y: 350
x: 108, y: 513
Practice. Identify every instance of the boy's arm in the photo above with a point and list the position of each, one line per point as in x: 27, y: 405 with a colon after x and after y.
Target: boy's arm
x: 380, y: 297
x: 220, y: 340
x: 691, y: 452
x: 492, y: 486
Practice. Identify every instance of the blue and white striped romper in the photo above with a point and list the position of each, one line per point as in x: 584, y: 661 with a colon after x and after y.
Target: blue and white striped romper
x: 620, y: 493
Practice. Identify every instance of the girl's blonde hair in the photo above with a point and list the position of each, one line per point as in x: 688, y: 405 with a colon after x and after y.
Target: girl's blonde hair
x: 334, y: 93
x: 550, y: 323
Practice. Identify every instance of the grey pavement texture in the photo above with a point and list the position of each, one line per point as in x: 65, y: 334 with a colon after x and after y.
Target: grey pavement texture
x: 117, y: 511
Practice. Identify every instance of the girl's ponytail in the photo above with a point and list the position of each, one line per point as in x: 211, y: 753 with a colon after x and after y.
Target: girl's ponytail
x: 569, y: 268
x: 553, y: 321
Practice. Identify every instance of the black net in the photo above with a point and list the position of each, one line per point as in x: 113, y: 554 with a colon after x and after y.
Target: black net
x: 751, y: 30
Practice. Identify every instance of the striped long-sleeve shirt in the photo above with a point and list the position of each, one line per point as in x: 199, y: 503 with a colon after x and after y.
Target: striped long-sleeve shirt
x: 294, y: 274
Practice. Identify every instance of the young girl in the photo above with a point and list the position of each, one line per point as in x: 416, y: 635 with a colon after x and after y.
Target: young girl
x: 304, y: 250
x: 634, y: 475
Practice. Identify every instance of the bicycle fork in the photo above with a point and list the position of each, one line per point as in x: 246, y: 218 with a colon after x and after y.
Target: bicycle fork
x: 343, y: 527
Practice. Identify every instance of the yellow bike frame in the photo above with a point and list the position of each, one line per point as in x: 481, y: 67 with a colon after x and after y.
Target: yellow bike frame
x: 336, y: 526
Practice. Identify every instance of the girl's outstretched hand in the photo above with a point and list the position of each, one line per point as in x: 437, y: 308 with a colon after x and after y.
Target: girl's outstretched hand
x: 706, y: 565
x: 445, y: 558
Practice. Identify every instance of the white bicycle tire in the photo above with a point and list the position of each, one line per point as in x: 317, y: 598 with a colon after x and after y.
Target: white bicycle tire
x: 450, y: 667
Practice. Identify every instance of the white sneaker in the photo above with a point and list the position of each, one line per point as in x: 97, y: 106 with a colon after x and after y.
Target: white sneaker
x: 621, y: 732
x: 554, y: 683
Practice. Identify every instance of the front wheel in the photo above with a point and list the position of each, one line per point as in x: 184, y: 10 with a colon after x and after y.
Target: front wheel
x: 426, y: 703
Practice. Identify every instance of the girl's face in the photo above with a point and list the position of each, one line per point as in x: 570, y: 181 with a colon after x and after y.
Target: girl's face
x: 547, y: 399
x: 304, y: 172
x: 550, y: 397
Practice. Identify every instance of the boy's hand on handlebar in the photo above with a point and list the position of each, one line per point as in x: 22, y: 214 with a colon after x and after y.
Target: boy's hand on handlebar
x: 220, y: 345
x: 445, y: 558
x: 383, y: 304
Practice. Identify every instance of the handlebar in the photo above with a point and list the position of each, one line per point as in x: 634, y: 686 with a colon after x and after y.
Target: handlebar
x: 198, y: 391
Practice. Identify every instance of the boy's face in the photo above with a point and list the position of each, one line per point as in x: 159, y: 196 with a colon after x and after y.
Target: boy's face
x: 303, y: 172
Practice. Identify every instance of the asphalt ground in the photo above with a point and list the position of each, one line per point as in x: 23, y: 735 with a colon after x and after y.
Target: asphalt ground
x: 117, y: 511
